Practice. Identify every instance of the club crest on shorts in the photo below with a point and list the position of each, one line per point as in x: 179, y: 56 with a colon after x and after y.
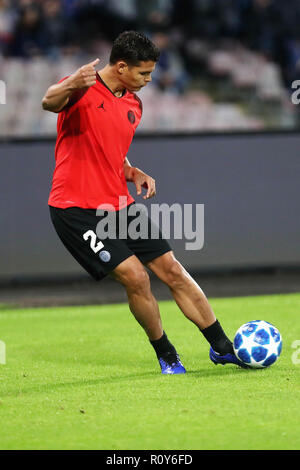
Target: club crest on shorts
x: 104, y: 256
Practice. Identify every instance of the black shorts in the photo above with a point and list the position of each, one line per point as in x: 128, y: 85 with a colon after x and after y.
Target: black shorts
x: 77, y: 229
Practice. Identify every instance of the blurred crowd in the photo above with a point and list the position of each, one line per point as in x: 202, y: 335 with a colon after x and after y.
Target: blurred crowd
x: 47, y: 27
x: 224, y: 64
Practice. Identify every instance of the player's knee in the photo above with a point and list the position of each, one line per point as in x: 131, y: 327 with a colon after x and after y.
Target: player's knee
x: 137, y: 281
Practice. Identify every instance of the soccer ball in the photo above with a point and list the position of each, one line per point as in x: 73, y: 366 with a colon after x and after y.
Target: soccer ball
x: 257, y: 344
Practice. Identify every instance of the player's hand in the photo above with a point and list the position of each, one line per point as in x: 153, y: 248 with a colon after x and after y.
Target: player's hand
x: 85, y: 76
x: 141, y: 180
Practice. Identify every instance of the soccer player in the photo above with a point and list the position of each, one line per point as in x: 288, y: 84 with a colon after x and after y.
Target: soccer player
x: 98, y: 113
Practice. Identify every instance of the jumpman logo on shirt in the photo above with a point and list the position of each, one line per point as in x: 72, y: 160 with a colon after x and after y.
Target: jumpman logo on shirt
x: 101, y: 106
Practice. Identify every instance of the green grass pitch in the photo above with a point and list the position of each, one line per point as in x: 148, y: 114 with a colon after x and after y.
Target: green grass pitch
x: 86, y: 378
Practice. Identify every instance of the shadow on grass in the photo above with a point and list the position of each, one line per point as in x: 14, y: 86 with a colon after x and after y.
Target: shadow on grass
x: 48, y: 387
x: 25, y: 389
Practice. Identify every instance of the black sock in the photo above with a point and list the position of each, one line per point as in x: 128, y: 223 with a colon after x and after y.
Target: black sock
x: 162, y: 346
x: 218, y: 340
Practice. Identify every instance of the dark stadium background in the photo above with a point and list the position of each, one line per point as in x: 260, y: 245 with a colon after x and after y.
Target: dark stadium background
x: 219, y: 128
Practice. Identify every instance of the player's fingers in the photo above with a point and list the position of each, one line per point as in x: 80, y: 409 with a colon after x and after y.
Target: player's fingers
x: 153, y: 192
x: 151, y: 188
x: 94, y: 62
x: 88, y: 77
x: 88, y: 74
x: 138, y: 188
x: 88, y: 71
x: 90, y: 83
x: 148, y: 194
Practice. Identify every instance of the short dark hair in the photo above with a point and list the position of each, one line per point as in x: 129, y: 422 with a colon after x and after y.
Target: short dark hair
x: 133, y: 48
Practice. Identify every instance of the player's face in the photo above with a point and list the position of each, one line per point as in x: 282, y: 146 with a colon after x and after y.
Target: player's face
x: 136, y: 77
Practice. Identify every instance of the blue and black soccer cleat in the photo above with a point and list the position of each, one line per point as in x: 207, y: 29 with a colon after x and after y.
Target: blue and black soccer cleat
x: 228, y: 358
x: 170, y: 364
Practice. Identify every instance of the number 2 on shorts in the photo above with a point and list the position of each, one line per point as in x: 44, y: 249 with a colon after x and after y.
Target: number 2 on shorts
x: 95, y: 247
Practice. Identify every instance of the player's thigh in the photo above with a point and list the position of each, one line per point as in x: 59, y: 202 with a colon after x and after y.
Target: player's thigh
x: 148, y: 242
x: 76, y: 228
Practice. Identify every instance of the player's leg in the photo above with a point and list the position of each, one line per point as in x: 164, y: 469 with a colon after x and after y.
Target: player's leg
x: 186, y: 292
x: 133, y: 276
x: 192, y: 301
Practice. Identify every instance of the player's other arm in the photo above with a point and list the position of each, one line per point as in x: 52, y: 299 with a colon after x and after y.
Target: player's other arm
x: 140, y: 179
x: 57, y: 96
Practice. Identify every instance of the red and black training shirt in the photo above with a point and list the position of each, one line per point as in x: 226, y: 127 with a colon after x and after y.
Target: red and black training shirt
x: 94, y: 132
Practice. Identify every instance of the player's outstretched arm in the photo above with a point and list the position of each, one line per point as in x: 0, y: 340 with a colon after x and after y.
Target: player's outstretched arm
x: 57, y: 96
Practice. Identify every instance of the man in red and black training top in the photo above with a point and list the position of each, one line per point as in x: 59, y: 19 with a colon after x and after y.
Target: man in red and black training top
x: 98, y: 113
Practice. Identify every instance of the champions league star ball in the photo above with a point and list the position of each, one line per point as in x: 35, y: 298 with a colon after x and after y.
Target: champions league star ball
x: 257, y: 344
